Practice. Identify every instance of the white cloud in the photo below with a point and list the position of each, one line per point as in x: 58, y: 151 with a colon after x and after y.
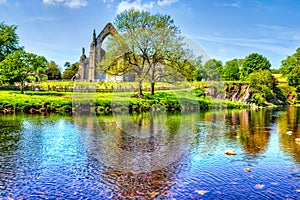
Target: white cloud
x: 264, y: 44
x: 2, y: 1
x: 163, y: 3
x: 68, y: 3
x: 137, y: 4
x: 234, y: 5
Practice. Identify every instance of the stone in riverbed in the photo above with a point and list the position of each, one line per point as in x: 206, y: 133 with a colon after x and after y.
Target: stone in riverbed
x: 229, y: 152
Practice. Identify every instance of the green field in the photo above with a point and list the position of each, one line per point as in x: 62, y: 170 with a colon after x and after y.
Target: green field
x: 106, y: 102
x: 280, y: 78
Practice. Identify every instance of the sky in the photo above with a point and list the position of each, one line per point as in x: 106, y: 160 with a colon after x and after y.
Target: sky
x: 224, y: 29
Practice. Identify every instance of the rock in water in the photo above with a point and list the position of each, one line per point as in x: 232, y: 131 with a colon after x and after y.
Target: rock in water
x: 230, y: 152
x: 289, y: 133
x: 248, y: 169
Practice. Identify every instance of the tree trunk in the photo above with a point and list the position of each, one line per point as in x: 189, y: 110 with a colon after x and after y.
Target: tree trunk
x: 22, y: 87
x: 140, y: 92
x: 152, y: 81
x: 152, y: 88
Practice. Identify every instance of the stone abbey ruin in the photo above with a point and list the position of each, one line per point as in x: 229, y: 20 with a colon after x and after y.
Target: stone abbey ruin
x: 87, y: 70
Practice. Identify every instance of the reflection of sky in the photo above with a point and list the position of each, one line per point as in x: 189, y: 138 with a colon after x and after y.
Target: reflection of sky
x: 56, y: 143
x: 52, y: 161
x: 222, y: 176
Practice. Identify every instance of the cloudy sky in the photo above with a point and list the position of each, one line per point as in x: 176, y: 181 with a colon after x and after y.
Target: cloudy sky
x: 225, y: 29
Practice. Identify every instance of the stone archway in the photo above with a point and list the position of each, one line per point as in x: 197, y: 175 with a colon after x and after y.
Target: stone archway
x: 87, y: 65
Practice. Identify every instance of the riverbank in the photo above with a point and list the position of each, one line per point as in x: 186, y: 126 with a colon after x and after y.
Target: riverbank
x: 108, y: 102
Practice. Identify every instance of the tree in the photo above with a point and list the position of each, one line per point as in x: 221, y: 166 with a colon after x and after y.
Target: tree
x: 9, y: 40
x: 262, y: 82
x: 231, y: 70
x: 252, y: 63
x: 290, y: 67
x: 146, y: 42
x: 197, y: 73
x: 53, y: 71
x: 290, y: 63
x: 294, y: 78
x: 70, y: 71
x: 19, y: 65
x: 211, y: 70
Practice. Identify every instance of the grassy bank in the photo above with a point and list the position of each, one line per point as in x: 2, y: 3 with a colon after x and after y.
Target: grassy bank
x: 106, y: 102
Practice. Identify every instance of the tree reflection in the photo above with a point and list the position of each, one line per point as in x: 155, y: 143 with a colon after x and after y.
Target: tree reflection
x: 289, y: 120
x: 10, y: 127
x: 140, y: 153
x: 251, y: 128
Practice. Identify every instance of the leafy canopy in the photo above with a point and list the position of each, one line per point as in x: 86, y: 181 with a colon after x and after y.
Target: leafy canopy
x: 290, y: 67
x: 70, y: 71
x: 252, y: 63
x: 211, y: 70
x: 53, y: 71
x: 20, y: 65
x: 145, y: 43
x: 9, y: 40
x: 231, y: 70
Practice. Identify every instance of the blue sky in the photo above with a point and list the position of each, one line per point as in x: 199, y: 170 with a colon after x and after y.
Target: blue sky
x: 225, y: 29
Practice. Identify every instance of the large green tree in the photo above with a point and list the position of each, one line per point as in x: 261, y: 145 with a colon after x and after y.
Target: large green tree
x: 231, y: 70
x: 262, y: 82
x: 290, y: 67
x: 211, y: 70
x: 252, y: 63
x: 20, y: 65
x: 70, y: 72
x: 197, y: 73
x: 294, y: 78
x: 290, y: 63
x: 146, y: 42
x: 9, y: 40
x: 53, y: 71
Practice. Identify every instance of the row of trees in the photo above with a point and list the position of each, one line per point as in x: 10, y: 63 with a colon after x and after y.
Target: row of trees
x: 148, y: 46
x: 233, y: 70
x: 18, y: 65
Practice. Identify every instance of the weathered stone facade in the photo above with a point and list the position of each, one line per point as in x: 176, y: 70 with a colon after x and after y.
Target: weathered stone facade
x: 87, y: 65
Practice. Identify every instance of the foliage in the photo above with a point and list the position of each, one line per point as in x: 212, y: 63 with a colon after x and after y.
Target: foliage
x: 9, y: 40
x: 211, y: 70
x: 294, y: 78
x: 20, y: 65
x: 62, y: 102
x: 197, y: 73
x: 290, y: 67
x: 145, y: 45
x: 231, y: 70
x: 262, y: 82
x: 53, y: 71
x: 260, y: 79
x: 252, y: 63
x: 70, y: 71
x: 290, y: 63
x: 275, y: 71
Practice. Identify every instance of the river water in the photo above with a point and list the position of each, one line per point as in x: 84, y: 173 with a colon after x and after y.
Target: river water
x: 152, y: 155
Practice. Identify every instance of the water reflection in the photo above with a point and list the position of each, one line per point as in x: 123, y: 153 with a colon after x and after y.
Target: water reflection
x: 290, y: 122
x: 251, y: 128
x: 138, y: 143
x: 151, y: 155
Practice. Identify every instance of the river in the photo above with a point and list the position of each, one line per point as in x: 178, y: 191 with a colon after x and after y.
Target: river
x: 152, y: 155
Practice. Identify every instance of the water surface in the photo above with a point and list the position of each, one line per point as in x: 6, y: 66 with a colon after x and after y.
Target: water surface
x: 152, y: 156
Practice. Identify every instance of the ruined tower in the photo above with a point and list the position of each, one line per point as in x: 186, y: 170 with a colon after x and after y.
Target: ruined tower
x: 88, y: 65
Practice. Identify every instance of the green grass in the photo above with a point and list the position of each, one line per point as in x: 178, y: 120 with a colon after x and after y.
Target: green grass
x: 106, y: 102
x: 281, y: 79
